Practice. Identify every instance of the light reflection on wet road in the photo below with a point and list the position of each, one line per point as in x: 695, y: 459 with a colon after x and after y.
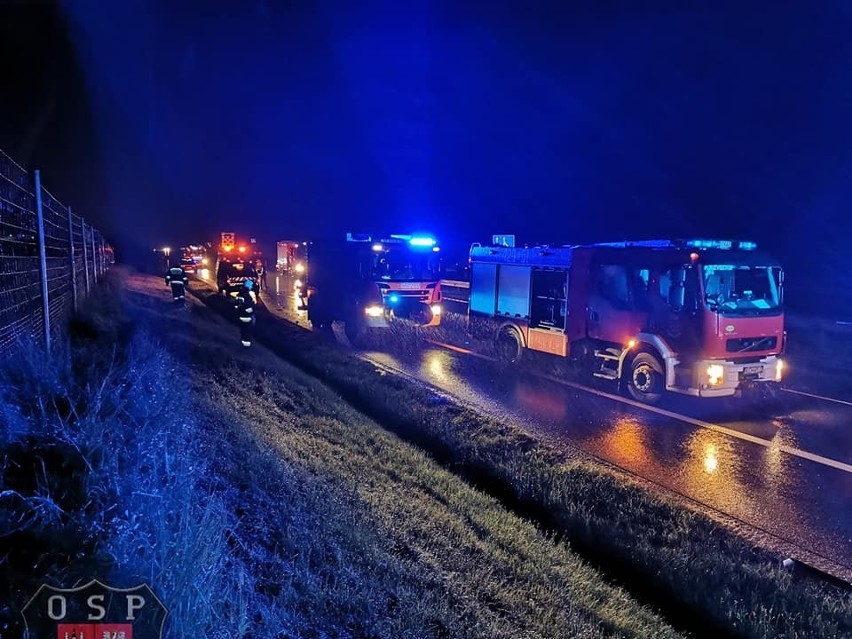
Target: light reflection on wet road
x: 800, y: 500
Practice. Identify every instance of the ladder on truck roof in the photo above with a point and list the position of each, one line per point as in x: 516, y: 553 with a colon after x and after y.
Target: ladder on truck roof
x: 545, y: 256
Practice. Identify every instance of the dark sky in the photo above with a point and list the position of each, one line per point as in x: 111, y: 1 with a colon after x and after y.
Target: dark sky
x: 167, y: 122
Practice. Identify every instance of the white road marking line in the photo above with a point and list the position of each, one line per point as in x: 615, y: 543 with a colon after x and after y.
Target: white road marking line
x: 459, y: 349
x: 823, y: 397
x: 676, y: 416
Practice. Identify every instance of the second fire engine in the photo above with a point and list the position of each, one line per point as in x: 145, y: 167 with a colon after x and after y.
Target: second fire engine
x: 367, y: 281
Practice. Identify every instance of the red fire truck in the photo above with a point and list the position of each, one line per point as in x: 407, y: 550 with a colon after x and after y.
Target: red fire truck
x: 367, y: 282
x: 698, y: 317
x: 291, y: 257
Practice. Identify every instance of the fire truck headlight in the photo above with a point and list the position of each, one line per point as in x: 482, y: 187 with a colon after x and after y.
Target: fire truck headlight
x: 204, y: 261
x: 374, y: 311
x: 436, y: 309
x: 715, y: 374
x: 779, y: 369
x: 297, y: 283
x: 299, y: 268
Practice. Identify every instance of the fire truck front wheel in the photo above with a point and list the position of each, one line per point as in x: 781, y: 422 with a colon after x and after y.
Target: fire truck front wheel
x: 318, y: 320
x: 509, y: 345
x: 356, y: 330
x: 644, y: 378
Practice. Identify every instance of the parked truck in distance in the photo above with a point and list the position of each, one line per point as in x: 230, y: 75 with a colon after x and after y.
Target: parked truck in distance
x: 292, y: 260
x: 231, y: 276
x: 291, y: 257
x: 368, y: 282
x: 236, y: 263
x: 698, y: 317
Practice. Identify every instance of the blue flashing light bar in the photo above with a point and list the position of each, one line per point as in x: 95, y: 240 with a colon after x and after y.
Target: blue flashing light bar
x: 721, y: 244
x: 423, y: 241
x: 709, y: 244
x: 393, y: 299
x: 690, y: 244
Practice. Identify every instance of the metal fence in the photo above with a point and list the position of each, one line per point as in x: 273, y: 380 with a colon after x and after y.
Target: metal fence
x: 49, y: 258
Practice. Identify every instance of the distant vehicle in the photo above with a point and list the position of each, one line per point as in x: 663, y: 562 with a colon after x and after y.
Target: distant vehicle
x: 235, y: 263
x: 189, y: 265
x: 291, y: 257
x: 368, y: 282
x: 697, y: 317
x: 232, y: 275
x: 195, y: 252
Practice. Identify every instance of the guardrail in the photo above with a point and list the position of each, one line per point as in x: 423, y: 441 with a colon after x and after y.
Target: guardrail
x: 49, y: 257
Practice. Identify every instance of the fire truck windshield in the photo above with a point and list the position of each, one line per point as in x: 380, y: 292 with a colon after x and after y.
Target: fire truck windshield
x: 737, y: 290
x: 405, y: 265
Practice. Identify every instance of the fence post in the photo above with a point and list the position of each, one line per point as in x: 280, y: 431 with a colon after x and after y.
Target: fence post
x: 73, y: 261
x: 100, y: 261
x: 94, y: 256
x: 42, y: 258
x: 85, y: 255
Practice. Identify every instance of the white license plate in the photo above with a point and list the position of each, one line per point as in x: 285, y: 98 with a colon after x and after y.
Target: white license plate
x: 753, y: 370
x: 409, y: 285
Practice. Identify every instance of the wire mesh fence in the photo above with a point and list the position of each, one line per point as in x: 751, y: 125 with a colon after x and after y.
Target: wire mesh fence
x: 49, y: 257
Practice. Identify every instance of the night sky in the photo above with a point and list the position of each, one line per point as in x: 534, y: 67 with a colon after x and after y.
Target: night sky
x: 168, y: 122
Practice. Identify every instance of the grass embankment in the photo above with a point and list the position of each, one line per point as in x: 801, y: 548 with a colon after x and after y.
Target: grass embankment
x: 256, y: 502
x: 101, y: 476
x: 708, y: 580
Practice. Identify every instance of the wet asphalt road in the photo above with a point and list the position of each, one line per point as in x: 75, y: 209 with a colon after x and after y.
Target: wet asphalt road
x: 783, y: 475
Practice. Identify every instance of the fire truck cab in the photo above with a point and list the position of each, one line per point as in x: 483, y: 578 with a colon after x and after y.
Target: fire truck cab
x: 368, y: 282
x: 697, y: 317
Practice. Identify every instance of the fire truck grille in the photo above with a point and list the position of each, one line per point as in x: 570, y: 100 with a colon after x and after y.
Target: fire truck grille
x: 746, y: 344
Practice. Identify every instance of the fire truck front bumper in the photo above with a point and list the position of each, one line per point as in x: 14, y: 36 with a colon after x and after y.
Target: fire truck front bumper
x: 724, y: 378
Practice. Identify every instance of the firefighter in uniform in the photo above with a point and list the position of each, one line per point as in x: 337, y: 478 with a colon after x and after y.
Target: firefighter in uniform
x: 245, y: 306
x: 177, y: 279
x: 261, y: 275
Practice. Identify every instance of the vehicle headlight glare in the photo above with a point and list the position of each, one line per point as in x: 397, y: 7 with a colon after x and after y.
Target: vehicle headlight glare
x: 299, y: 268
x: 374, y: 311
x: 779, y: 369
x: 436, y: 309
x: 715, y: 374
